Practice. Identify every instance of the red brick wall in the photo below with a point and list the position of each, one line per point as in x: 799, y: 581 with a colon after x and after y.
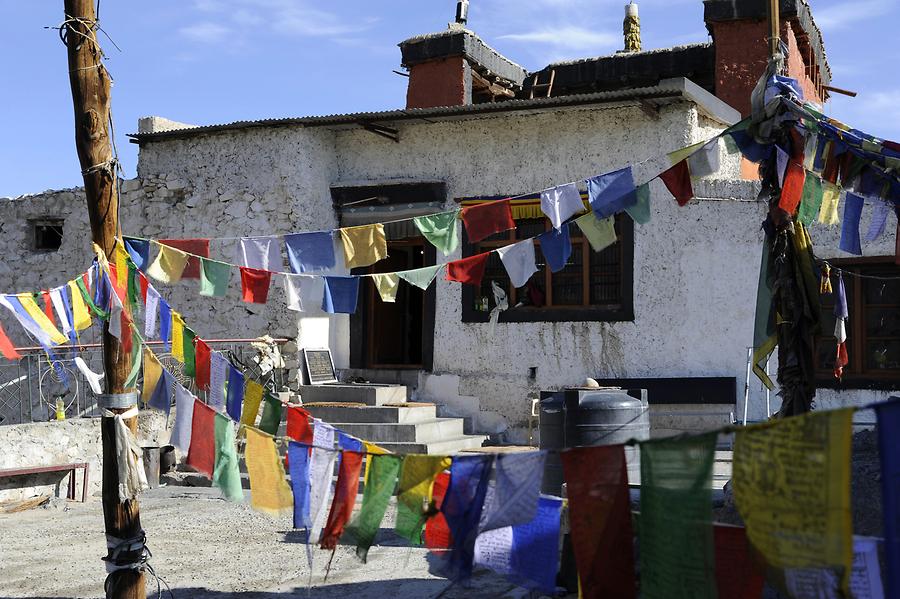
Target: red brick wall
x: 437, y: 83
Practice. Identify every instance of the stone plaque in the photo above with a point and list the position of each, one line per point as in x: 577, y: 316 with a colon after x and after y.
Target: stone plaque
x: 319, y: 366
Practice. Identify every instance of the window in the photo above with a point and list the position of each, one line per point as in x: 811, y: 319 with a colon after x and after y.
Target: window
x: 593, y: 286
x: 873, y: 330
x: 46, y: 234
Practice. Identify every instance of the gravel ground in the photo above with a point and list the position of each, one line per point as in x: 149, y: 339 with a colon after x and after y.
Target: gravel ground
x: 207, y: 548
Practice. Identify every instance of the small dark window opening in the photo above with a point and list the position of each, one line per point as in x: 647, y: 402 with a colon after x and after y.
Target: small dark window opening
x: 47, y: 234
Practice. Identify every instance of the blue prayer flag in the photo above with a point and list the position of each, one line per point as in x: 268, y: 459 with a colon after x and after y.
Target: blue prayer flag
x: 461, y: 506
x: 556, y: 246
x: 139, y: 250
x: 165, y: 323
x: 298, y: 465
x: 819, y: 159
x: 348, y: 443
x: 310, y: 252
x: 853, y: 205
x: 752, y: 151
x: 340, y: 295
x: 235, y: 393
x: 612, y: 192
x: 888, y: 415
x: 161, y: 399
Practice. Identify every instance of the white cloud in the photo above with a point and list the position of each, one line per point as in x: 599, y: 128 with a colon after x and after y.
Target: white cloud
x: 205, y: 32
x: 844, y: 14
x: 570, y: 37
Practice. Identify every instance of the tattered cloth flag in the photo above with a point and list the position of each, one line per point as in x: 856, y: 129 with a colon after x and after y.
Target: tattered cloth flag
x: 201, y: 370
x: 169, y: 265
x: 527, y: 554
x: 298, y: 427
x: 792, y: 189
x: 298, y: 466
x: 227, y: 474
x: 161, y: 399
x: 841, y: 315
x: 513, y: 496
x: 184, y: 416
x: 640, y: 212
x: 437, y: 532
x: 556, y: 246
x: 811, y: 199
x: 380, y: 484
x: 600, y: 520
x: 261, y: 253
x: 214, y: 278
x: 321, y: 472
x: 414, y: 494
x: 678, y: 181
x: 271, y: 416
x: 202, y: 453
x: 304, y: 293
x: 888, y: 414
x: 440, y: 230
x: 269, y: 492
x: 853, y: 205
x: 600, y: 233
x: 420, y: 277
x: 879, y: 220
x: 387, y: 285
x: 341, y: 294
x: 611, y: 193
x: 483, y: 220
x: 139, y: 250
x: 363, y: 245
x: 344, y: 498
x: 234, y: 393
x: 198, y: 247
x: 560, y: 203
x: 804, y: 524
x: 253, y: 395
x: 218, y: 371
x: 255, y: 285
x: 310, y: 252
x: 738, y: 576
x: 152, y: 372
x: 468, y: 270
x: 675, y: 531
x: 462, y: 507
x: 519, y: 261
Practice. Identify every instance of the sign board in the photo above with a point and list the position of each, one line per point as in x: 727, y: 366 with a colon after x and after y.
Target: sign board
x: 319, y: 366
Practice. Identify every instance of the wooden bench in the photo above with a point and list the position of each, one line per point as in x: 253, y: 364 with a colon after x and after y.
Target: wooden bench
x: 70, y: 468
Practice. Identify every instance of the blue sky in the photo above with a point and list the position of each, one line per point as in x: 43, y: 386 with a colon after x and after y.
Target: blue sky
x: 214, y: 61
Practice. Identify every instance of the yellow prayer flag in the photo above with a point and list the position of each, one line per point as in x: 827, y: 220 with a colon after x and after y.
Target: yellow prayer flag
x: 372, y: 449
x: 363, y: 245
x: 828, y: 213
x: 387, y: 284
x: 40, y: 318
x: 121, y: 265
x: 269, y: 492
x: 679, y: 155
x: 253, y: 394
x: 792, y: 488
x: 414, y: 492
x: 152, y: 372
x: 169, y: 264
x: 177, y: 337
x: 80, y: 313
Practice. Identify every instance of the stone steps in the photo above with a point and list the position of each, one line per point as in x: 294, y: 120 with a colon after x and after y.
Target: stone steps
x: 425, y: 431
x: 405, y: 413
x: 449, y: 446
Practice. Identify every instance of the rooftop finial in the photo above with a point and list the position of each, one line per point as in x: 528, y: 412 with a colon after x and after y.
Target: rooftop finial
x: 462, y: 12
x: 631, y: 27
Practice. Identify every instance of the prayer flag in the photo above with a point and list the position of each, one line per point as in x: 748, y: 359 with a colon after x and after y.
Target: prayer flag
x: 561, y: 203
x: 831, y: 196
x: 152, y: 372
x: 782, y: 159
x: 165, y: 323
x: 6, y: 346
x: 888, y: 414
x: 879, y: 220
x: 678, y: 181
x: 298, y: 466
x: 227, y: 474
x: 420, y: 277
x: 640, y: 211
x: 40, y: 318
x: 513, y: 497
x: 184, y: 417
x: 600, y: 520
x: 344, y: 498
x: 151, y: 312
x: 298, y: 427
x: 169, y: 265
x: 804, y: 524
x: 198, y: 247
x: 387, y: 285
x: 462, y: 508
x: 519, y: 261
x: 468, y: 270
x: 704, y: 160
x: 340, y: 295
x: 261, y: 253
x: 380, y: 484
x: 218, y: 372
x: 235, y: 393
x: 556, y: 246
x: 440, y: 230
x: 737, y: 574
x: 177, y: 337
x: 139, y: 250
x: 310, y: 252
x: 853, y: 205
x: 190, y: 356
x: 12, y: 303
x: 269, y: 492
x: 363, y: 245
x: 483, y: 220
x: 64, y: 312
x: 792, y: 190
x: 121, y: 259
x: 304, y: 293
x: 349, y: 443
x: 80, y: 315
x: 611, y: 193
x: 255, y: 285
x: 437, y: 533
x: 271, y: 416
x: 202, y: 357
x: 675, y: 532
x: 321, y: 472
x: 253, y: 395
x: 811, y: 199
x: 202, y: 453
x: 600, y: 233
x: 161, y: 398
x: 214, y: 278
x: 414, y: 493
x: 372, y: 449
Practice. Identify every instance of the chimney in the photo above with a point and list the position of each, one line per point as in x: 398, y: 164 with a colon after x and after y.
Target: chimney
x: 631, y: 28
x: 462, y: 14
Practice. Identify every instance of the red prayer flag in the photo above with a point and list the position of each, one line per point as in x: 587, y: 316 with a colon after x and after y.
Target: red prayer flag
x: 678, y: 182
x: 345, y: 491
x: 737, y: 574
x: 792, y: 189
x: 201, y: 363
x: 483, y: 220
x: 6, y: 346
x: 468, y: 270
x: 437, y: 532
x: 200, y: 247
x: 48, y: 305
x: 255, y: 284
x: 202, y: 452
x: 832, y: 164
x: 126, y: 333
x: 144, y: 285
x: 897, y: 245
x: 298, y: 427
x: 600, y: 520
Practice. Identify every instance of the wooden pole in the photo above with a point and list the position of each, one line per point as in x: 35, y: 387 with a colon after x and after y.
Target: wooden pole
x: 90, y: 84
x: 774, y: 28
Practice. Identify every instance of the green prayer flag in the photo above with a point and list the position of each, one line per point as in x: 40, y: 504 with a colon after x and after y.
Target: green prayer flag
x: 214, y: 277
x: 811, y: 198
x: 440, y: 230
x: 675, y: 529
x: 227, y: 474
x: 187, y: 344
x: 136, y: 360
x: 640, y: 211
x: 600, y: 232
x: 420, y: 277
x: 414, y: 493
x: 79, y: 281
x: 682, y: 153
x: 271, y: 416
x: 764, y: 338
x: 376, y: 495
x: 134, y: 284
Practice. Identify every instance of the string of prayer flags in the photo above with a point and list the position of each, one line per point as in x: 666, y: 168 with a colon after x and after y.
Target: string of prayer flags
x: 468, y: 270
x: 561, y: 203
x: 190, y: 354
x: 675, y: 531
x: 161, y: 398
x: 340, y: 295
x: 600, y: 520
x: 737, y: 573
x: 811, y: 199
x: 513, y: 496
x: 165, y: 324
x: 6, y: 346
x: 298, y: 466
x: 344, y: 498
x: 611, y: 193
x: 841, y: 315
x: 152, y: 372
x: 879, y: 220
x: 269, y: 492
x: 440, y: 230
x: 40, y: 318
x: 304, y: 293
x: 298, y: 427
x: 202, y: 451
x: 218, y: 372
x: 203, y: 353
x: 198, y: 247
x: 792, y: 190
x: 420, y: 277
x: 805, y: 524
x: 556, y: 247
x: 828, y: 212
x: 255, y: 285
x: 640, y: 211
x: 214, y: 278
x: 462, y: 508
x: 363, y: 245
x: 437, y: 532
x: 483, y: 220
x: 177, y: 336
x: 11, y: 303
x: 227, y: 473
x: 380, y: 483
x: 253, y: 395
x: 888, y: 416
x: 169, y: 265
x: 321, y: 471
x: 600, y: 233
x: 310, y: 252
x: 139, y: 250
x: 387, y: 285
x: 184, y: 416
x: 414, y: 492
x: 850, y: 243
x: 261, y: 253
x: 234, y: 393
x: 519, y: 261
x: 271, y: 416
x: 527, y: 554
x: 678, y: 181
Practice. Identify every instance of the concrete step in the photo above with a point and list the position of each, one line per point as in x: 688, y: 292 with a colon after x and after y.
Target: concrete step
x: 391, y: 414
x: 443, y: 447
x: 427, y: 431
x: 371, y: 394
